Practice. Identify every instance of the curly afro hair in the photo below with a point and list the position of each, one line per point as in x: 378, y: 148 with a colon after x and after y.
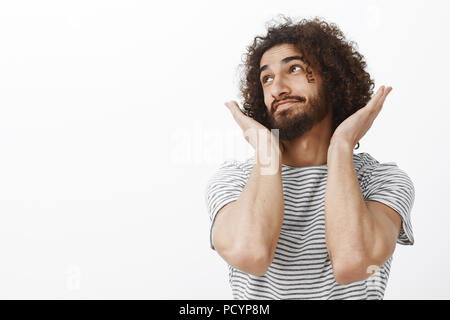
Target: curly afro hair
x: 327, y: 52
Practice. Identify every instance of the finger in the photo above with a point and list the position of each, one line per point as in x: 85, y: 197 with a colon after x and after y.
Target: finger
x: 386, y: 92
x: 376, y: 103
x: 376, y: 98
x: 232, y: 105
x: 236, y: 112
x: 372, y: 109
x: 234, y: 108
x: 380, y: 102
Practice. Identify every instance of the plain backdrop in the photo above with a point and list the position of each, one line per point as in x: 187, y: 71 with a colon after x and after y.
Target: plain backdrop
x: 112, y: 121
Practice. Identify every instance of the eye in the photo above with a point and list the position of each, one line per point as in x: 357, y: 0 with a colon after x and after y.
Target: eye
x: 263, y: 80
x: 295, y: 66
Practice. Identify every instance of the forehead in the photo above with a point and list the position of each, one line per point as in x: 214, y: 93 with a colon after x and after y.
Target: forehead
x: 277, y: 53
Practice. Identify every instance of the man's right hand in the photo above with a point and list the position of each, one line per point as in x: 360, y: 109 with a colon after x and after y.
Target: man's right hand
x: 254, y: 132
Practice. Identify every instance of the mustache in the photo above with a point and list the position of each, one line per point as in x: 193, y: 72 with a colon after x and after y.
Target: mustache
x: 298, y: 98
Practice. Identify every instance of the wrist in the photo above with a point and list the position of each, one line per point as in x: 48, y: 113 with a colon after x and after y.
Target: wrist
x: 269, y: 154
x: 268, y: 160
x: 340, y: 146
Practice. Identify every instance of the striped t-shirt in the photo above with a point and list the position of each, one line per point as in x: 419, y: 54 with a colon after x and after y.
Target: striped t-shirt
x: 301, y: 268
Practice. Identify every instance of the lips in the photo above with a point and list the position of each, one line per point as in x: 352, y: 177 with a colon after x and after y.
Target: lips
x: 283, y: 102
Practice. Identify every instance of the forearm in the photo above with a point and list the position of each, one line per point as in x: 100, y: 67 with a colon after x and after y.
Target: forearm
x: 258, y: 213
x: 348, y: 225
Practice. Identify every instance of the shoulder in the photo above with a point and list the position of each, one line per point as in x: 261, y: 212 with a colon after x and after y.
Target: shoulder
x: 242, y: 167
x: 387, y: 183
x: 231, y: 172
x: 225, y: 185
x: 364, y: 161
x: 365, y: 165
x: 374, y: 174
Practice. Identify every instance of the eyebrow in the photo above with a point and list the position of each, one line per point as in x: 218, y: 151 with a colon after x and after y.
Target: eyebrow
x: 284, y: 61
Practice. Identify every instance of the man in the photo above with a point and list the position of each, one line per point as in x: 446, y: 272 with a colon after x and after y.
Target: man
x: 325, y: 222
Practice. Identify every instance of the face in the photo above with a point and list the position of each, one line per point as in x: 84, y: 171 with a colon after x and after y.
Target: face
x: 284, y: 77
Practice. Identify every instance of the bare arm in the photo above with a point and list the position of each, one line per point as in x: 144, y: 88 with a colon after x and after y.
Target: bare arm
x: 348, y: 226
x: 358, y: 235
x: 246, y: 231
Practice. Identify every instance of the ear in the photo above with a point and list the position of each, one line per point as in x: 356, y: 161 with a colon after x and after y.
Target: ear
x: 309, y: 75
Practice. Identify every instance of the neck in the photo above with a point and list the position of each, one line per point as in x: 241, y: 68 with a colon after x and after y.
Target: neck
x: 311, y: 149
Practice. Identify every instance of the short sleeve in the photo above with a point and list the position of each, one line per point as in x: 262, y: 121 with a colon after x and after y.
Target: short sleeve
x: 390, y: 185
x: 223, y: 187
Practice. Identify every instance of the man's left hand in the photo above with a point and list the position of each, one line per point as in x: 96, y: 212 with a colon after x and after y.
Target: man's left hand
x: 352, y: 129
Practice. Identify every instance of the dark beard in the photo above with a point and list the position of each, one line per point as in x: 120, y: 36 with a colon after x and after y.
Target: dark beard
x: 293, y: 123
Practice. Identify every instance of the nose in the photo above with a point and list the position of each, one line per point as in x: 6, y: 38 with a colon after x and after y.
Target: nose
x: 279, y: 88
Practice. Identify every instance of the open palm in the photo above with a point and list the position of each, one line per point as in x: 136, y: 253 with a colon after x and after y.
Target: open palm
x: 253, y: 131
x: 352, y: 129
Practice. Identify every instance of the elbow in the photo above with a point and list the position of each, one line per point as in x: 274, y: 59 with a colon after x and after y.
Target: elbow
x: 247, y: 259
x: 254, y: 263
x: 349, y: 271
x: 343, y: 278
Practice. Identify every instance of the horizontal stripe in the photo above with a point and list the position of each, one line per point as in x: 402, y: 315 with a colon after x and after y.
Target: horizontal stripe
x: 301, y: 268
